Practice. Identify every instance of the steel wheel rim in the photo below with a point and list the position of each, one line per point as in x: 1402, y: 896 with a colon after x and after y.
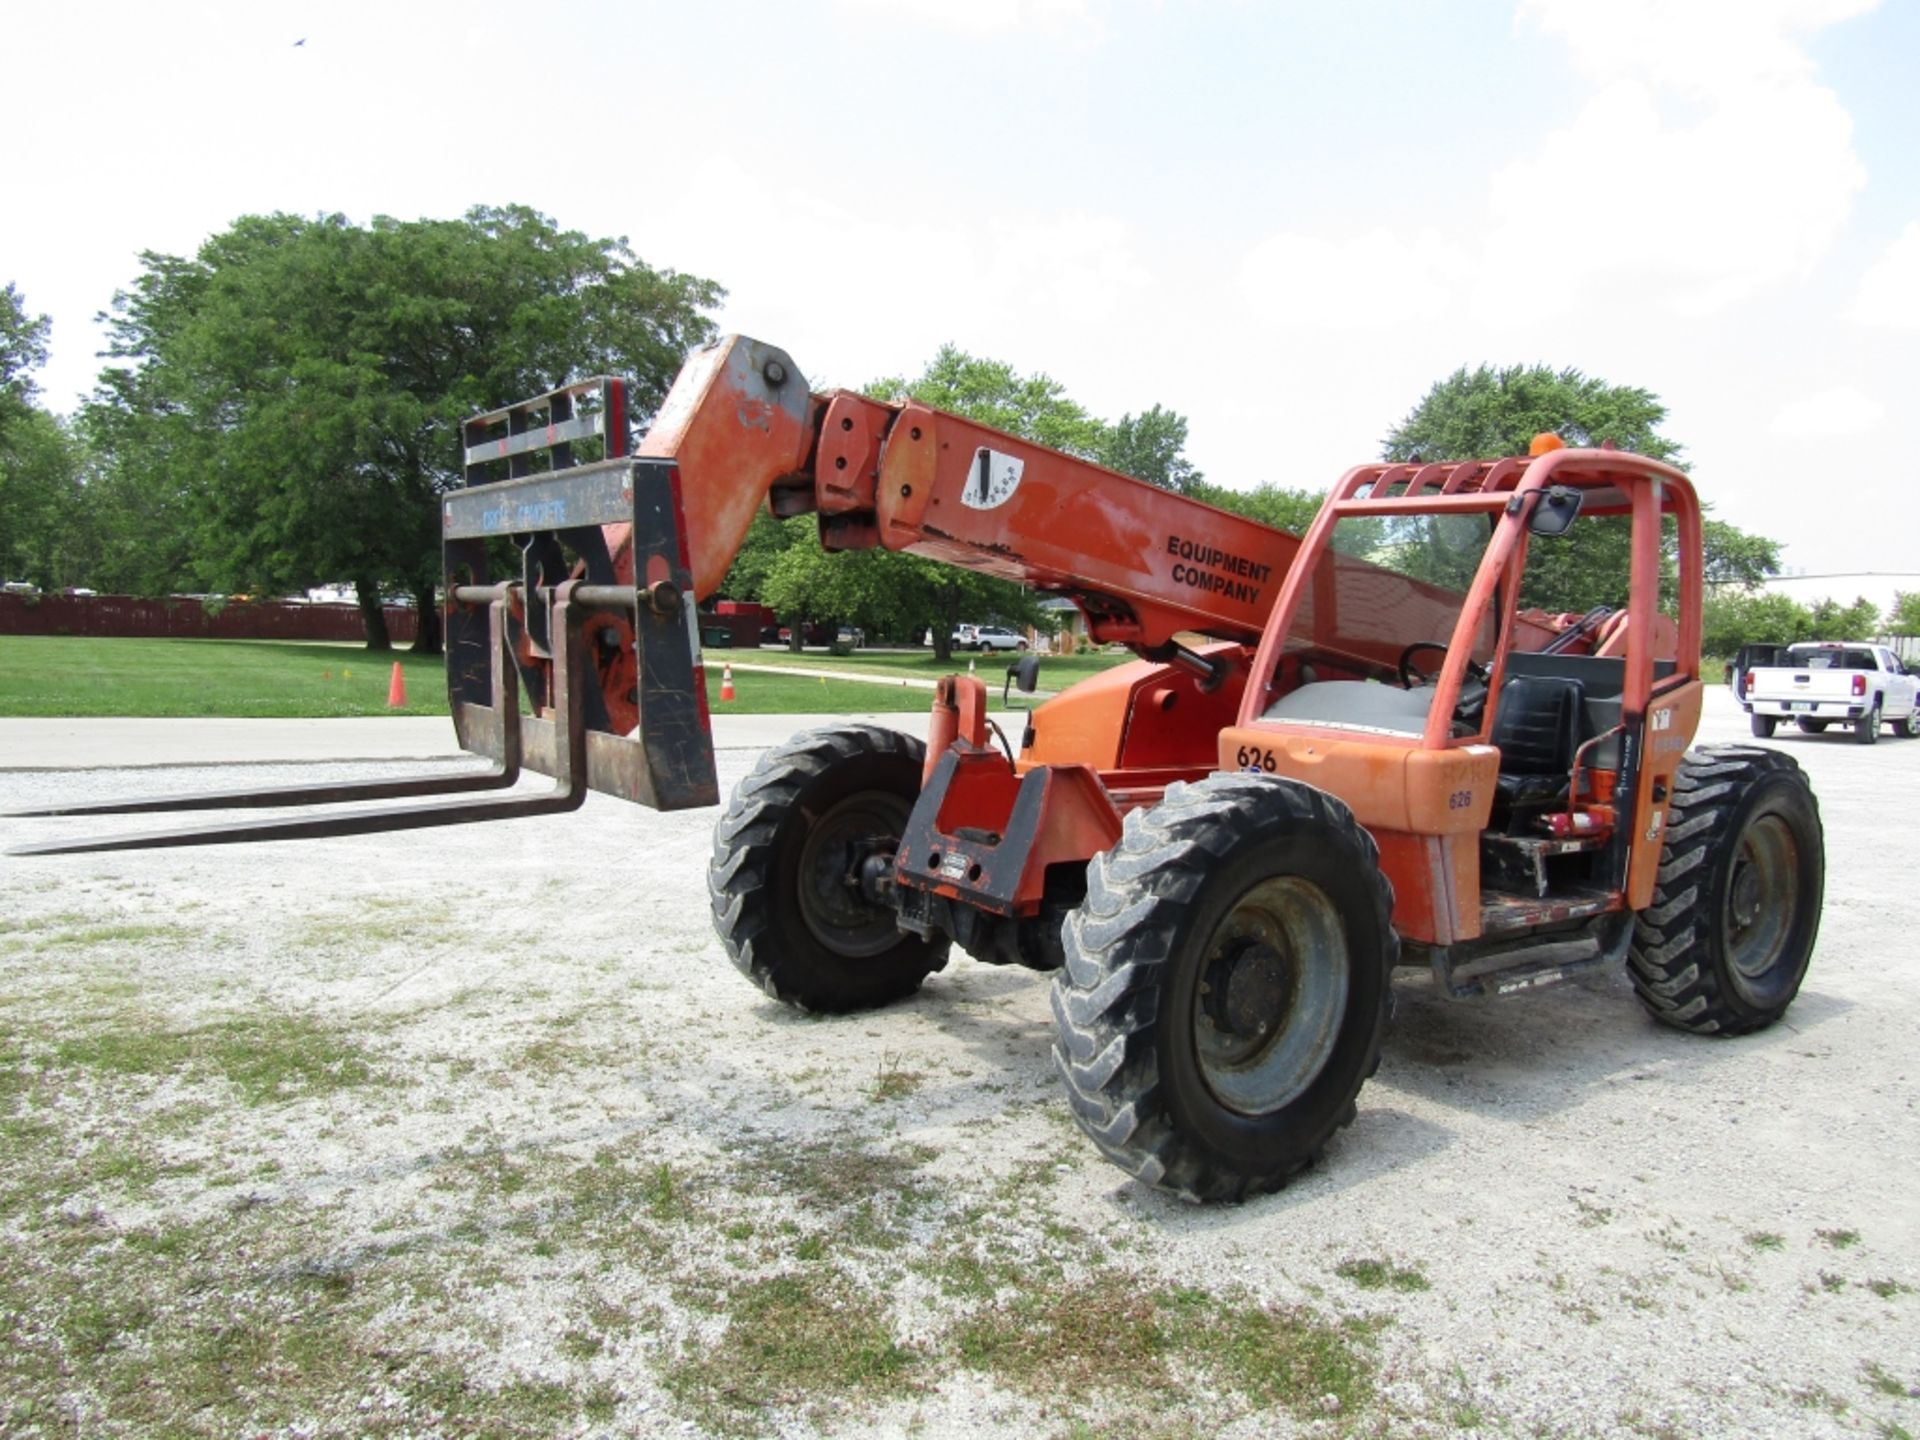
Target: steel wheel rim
x: 1763, y: 897
x: 1283, y: 942
x: 827, y: 883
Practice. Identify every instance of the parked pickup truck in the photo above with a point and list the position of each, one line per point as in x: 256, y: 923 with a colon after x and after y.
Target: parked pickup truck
x: 1832, y: 683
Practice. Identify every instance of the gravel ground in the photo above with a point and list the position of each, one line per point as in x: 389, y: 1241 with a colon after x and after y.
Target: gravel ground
x: 476, y: 1132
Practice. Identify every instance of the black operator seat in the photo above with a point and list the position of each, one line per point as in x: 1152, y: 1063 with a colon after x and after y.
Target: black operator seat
x: 1537, y: 730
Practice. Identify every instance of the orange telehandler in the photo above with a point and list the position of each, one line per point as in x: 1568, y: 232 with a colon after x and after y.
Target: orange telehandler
x: 1333, y: 755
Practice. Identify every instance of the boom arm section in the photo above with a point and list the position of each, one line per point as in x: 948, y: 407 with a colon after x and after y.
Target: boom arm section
x: 1143, y: 563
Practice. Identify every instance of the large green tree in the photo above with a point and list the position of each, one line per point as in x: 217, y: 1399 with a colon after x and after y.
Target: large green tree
x: 1151, y: 446
x: 289, y: 398
x: 43, y: 536
x: 1733, y: 617
x: 1270, y: 504
x: 1035, y: 407
x: 1475, y: 414
x: 1903, y: 616
x: 23, y: 349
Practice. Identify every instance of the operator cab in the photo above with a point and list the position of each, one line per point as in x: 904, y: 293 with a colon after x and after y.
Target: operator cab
x: 1487, y: 662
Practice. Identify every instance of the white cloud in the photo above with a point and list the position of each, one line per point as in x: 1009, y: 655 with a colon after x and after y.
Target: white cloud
x: 1696, y: 47
x: 861, y: 285
x: 1890, y: 290
x: 1831, y: 414
x: 1374, y: 281
x: 1708, y: 166
x: 986, y: 17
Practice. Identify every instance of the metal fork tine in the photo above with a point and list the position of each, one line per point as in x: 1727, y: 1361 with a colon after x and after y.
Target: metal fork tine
x: 358, y: 822
x: 497, y: 777
x: 568, y: 792
x: 494, y: 778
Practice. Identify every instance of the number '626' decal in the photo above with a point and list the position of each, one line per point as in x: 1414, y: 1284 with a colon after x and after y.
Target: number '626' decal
x: 1252, y: 757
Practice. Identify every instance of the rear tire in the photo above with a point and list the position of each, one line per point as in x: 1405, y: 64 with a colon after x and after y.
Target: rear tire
x: 785, y: 903
x: 1812, y: 727
x: 1866, y: 730
x: 1763, y: 726
x: 1736, y: 908
x: 1225, y: 985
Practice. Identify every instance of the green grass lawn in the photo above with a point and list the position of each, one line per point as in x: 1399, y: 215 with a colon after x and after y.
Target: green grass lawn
x: 59, y: 675
x: 84, y: 675
x: 762, y: 694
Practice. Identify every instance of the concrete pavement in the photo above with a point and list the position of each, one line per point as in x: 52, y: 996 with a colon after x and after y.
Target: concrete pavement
x: 113, y: 744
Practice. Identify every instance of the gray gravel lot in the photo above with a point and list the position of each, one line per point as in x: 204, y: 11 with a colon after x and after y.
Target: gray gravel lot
x: 476, y: 1131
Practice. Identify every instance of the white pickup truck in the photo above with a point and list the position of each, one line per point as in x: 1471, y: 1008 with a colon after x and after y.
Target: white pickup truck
x: 1827, y: 683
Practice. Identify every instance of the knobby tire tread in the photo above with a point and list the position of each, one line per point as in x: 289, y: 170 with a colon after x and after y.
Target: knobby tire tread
x: 740, y: 878
x: 1671, y: 959
x: 1140, y: 895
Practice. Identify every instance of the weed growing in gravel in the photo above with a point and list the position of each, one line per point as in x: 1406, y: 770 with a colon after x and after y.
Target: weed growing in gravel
x: 662, y: 1194
x: 1814, y: 1397
x: 836, y: 1172
x: 894, y: 1081
x: 378, y: 920
x: 267, y: 1058
x: 1670, y: 1238
x: 1591, y: 1216
x: 66, y: 930
x: 798, y: 1340
x: 1765, y: 1240
x: 1838, y: 1239
x: 1886, y: 1384
x: 1111, y: 1334
x: 1373, y: 1274
x: 1887, y: 1289
x: 222, y: 1326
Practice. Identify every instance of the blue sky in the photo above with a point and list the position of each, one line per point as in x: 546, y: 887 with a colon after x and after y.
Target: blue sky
x: 1284, y: 220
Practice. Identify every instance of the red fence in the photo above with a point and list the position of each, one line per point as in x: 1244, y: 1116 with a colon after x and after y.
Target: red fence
x: 191, y: 619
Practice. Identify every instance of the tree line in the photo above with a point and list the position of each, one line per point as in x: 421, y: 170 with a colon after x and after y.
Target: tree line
x: 281, y: 409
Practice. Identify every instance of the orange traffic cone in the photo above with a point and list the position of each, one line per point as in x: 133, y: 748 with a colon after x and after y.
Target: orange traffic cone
x: 397, y: 689
x: 726, y: 682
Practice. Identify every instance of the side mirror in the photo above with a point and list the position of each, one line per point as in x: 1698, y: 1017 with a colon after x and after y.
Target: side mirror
x: 1025, y: 673
x: 1555, y: 511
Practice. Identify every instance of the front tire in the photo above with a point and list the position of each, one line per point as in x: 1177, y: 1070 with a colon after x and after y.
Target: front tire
x: 1225, y: 985
x: 1736, y: 908
x: 784, y: 876
x: 1763, y: 726
x: 1866, y: 730
x: 1910, y: 727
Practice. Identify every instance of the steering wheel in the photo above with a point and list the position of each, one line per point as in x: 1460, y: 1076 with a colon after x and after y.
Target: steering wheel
x: 1410, y: 677
x: 1472, y: 703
